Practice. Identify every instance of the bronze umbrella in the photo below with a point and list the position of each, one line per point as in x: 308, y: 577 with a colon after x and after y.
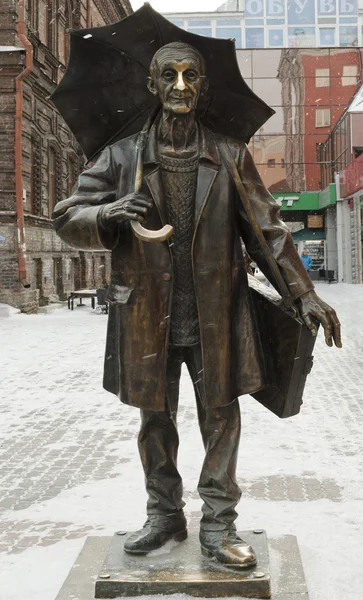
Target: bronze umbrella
x: 103, y: 95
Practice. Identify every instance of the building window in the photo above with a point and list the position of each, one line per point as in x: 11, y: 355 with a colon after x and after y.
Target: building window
x: 276, y: 37
x: 301, y: 37
x: 38, y: 274
x: 49, y: 21
x: 200, y: 31
x: 322, y: 77
x: 348, y: 36
x: 52, y: 180
x: 283, y: 163
x: 42, y: 24
x: 271, y: 163
x: 72, y: 175
x: 63, y: 36
x: 35, y: 174
x: 322, y: 117
x: 327, y: 36
x: 255, y: 37
x: 350, y: 73
x: 33, y: 14
x: 230, y: 33
x: 54, y: 177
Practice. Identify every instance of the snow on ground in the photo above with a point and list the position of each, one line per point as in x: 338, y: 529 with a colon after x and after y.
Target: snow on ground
x: 70, y: 467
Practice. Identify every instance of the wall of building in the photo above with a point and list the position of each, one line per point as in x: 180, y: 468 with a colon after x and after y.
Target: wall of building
x: 51, y: 157
x: 8, y: 22
x: 333, y: 97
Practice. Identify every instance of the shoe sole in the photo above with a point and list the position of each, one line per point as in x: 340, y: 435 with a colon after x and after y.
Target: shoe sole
x: 209, y: 554
x: 180, y: 536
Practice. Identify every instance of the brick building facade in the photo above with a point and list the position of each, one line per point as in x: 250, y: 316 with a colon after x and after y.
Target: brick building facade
x: 39, y: 158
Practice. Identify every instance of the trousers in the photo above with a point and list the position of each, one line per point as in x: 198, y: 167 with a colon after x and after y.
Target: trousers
x: 158, y: 444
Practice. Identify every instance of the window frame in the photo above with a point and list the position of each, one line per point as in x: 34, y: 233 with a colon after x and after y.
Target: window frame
x: 321, y: 111
x: 353, y: 78
x: 320, y: 78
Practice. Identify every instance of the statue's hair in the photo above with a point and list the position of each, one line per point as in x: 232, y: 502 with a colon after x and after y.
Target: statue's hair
x: 176, y: 46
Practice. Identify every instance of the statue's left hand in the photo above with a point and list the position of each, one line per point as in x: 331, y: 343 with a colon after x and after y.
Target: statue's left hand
x: 311, y: 308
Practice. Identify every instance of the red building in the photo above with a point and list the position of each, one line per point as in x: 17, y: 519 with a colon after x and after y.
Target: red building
x: 330, y: 81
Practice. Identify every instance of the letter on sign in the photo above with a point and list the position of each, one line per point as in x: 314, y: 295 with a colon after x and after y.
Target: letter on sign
x: 254, y: 8
x: 327, y: 7
x: 275, y: 7
x: 348, y: 7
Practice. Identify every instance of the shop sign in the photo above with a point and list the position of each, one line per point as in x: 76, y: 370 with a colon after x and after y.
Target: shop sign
x: 315, y: 221
x: 299, y: 11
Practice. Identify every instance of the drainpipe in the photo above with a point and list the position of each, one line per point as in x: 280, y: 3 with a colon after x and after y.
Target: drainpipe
x: 20, y: 238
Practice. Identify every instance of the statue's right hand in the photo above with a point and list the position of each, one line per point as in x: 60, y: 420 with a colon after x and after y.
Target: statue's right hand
x: 133, y: 207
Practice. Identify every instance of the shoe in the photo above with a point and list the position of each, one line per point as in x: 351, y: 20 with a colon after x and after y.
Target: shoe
x: 228, y: 548
x: 157, y: 530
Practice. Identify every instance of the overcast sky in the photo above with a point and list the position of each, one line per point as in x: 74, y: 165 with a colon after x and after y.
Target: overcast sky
x: 172, y: 6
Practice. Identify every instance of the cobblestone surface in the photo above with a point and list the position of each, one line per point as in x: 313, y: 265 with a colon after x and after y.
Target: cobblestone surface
x: 70, y: 468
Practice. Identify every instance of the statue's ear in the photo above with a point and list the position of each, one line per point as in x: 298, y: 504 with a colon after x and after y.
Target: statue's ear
x: 151, y: 86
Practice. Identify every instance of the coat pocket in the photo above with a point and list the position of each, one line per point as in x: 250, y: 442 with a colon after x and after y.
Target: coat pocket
x: 118, y: 294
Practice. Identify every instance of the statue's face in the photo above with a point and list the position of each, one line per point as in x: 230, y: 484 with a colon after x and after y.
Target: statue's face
x: 177, y: 80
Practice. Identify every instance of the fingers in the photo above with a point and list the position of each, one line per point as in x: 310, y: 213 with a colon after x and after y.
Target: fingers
x: 133, y: 216
x: 138, y: 202
x: 133, y: 208
x: 330, y: 323
x: 310, y: 324
x: 135, y: 204
x: 313, y: 309
x: 137, y: 209
x: 326, y: 322
x: 336, y: 330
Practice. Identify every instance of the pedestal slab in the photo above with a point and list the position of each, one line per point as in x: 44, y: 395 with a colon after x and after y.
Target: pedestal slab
x: 287, y: 576
x: 181, y: 568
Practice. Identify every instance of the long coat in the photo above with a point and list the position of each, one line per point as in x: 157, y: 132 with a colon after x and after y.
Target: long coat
x: 141, y: 287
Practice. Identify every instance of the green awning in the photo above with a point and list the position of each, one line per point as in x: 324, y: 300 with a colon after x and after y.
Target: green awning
x: 308, y: 234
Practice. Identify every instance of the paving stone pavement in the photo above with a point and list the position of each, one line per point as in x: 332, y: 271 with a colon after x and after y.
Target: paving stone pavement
x: 70, y: 467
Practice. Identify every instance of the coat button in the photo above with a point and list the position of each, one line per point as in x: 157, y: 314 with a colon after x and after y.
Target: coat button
x: 166, y: 276
x: 162, y: 325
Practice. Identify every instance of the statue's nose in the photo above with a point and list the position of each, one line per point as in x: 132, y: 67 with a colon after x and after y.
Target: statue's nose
x: 180, y: 85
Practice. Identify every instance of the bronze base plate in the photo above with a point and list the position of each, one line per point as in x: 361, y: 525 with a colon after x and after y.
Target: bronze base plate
x: 181, y: 568
x: 287, y: 575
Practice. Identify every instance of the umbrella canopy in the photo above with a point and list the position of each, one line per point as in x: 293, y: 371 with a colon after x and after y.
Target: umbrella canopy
x: 103, y: 95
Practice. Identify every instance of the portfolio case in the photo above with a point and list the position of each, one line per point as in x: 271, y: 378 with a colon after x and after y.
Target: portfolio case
x: 288, y: 351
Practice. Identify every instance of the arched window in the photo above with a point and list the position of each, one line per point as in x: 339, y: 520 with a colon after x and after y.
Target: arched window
x: 54, y: 177
x: 45, y: 21
x: 52, y: 185
x: 33, y: 15
x: 42, y: 21
x: 72, y: 174
x: 36, y: 174
x: 65, y: 22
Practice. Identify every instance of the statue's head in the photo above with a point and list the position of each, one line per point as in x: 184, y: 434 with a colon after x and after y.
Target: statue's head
x: 177, y: 76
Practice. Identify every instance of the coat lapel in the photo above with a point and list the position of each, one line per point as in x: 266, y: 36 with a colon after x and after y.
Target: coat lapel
x: 206, y: 177
x: 155, y: 186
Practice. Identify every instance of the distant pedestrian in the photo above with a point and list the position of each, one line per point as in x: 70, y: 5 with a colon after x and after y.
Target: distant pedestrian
x: 306, y: 260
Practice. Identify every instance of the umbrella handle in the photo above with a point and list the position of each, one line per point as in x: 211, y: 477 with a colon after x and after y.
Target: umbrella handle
x: 148, y: 235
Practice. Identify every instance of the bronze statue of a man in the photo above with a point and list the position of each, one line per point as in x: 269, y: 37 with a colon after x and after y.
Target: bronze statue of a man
x: 184, y: 300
